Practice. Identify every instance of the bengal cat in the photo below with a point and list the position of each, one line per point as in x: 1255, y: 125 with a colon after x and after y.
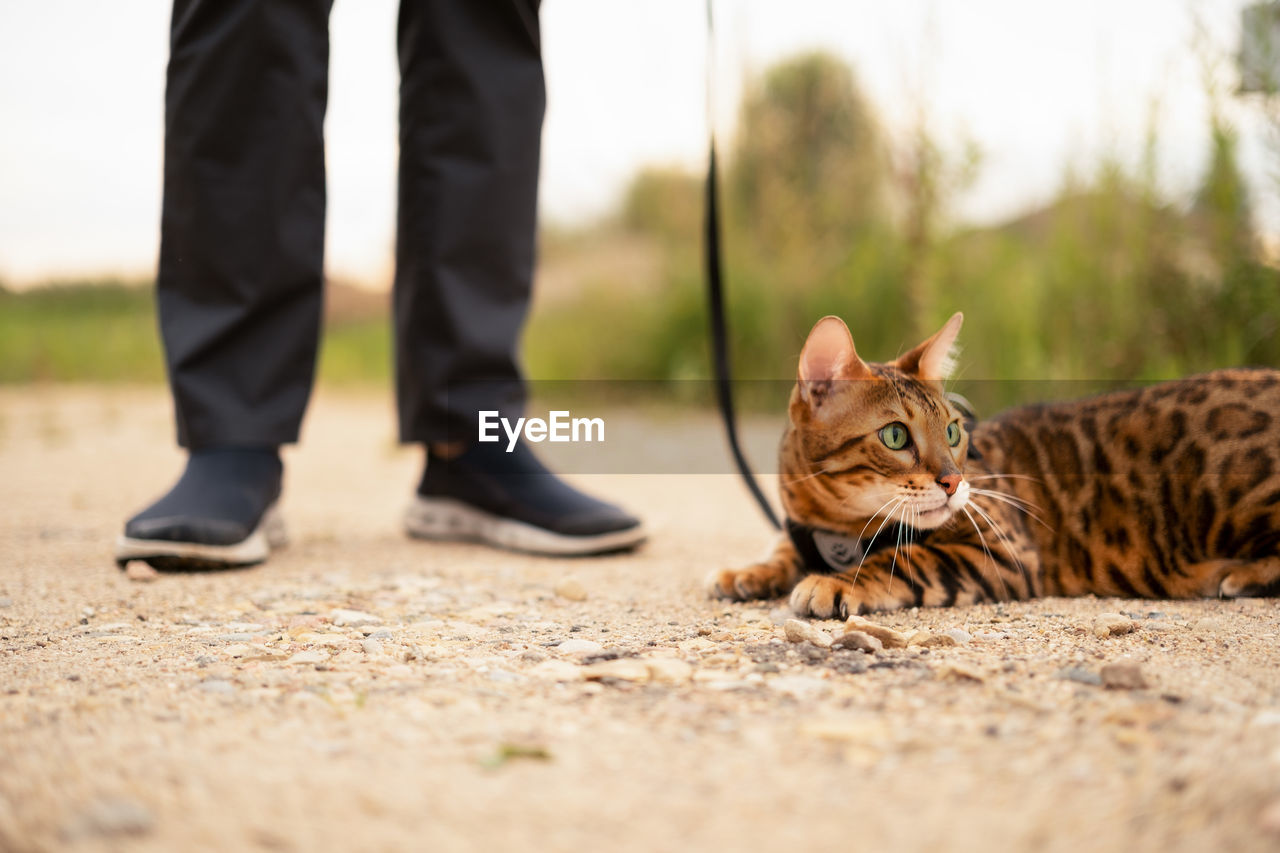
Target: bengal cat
x: 894, y: 497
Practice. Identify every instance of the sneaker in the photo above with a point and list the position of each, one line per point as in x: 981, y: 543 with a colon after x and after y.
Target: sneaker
x: 511, y: 501
x: 221, y: 514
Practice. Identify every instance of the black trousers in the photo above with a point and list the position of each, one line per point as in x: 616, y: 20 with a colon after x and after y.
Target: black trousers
x: 242, y: 232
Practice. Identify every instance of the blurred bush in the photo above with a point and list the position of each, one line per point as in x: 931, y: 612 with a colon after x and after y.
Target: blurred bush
x: 1114, y: 280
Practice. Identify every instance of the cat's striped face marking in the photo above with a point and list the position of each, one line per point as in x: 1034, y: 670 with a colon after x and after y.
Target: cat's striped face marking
x: 873, y: 443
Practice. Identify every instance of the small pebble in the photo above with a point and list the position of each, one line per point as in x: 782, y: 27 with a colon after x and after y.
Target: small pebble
x: 532, y: 656
x: 1079, y: 674
x: 1123, y: 676
x: 557, y: 670
x: 333, y: 641
x: 382, y: 634
x: 858, y: 641
x: 1111, y: 625
x: 851, y: 729
x: 960, y: 635
x: 801, y: 632
x: 371, y: 647
x: 798, y: 686
x: 219, y: 686
x: 926, y: 640
x: 576, y: 646
x: 1207, y: 625
x: 140, y: 572
x: 1267, y: 718
x: 888, y: 637
x: 109, y: 818
x: 502, y: 676
x: 669, y: 670
x: 569, y: 588
x: 310, y: 656
x: 955, y: 671
x: 623, y: 669
x: 353, y: 618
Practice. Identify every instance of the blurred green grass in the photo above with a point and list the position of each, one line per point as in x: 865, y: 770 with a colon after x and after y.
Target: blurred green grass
x: 105, y: 331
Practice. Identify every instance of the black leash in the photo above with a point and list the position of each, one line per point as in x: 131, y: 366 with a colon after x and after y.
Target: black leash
x: 715, y: 295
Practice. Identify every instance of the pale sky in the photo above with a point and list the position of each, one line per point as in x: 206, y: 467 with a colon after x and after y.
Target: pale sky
x: 1037, y: 85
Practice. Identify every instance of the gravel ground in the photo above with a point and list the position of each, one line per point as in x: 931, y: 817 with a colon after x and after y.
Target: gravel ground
x: 366, y: 692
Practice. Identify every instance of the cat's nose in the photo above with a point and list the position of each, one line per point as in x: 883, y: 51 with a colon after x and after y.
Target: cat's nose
x: 950, y: 482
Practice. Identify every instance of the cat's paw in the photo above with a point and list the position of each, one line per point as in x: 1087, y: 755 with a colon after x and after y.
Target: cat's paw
x: 1260, y: 578
x: 763, y: 580
x: 824, y: 597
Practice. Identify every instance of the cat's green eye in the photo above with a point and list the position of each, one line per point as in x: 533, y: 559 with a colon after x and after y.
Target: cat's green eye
x: 953, y: 433
x: 895, y: 436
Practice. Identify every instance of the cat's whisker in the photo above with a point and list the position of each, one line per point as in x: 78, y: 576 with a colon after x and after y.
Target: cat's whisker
x: 1008, y: 544
x: 893, y: 562
x: 893, y: 504
x: 911, y: 531
x: 1016, y: 500
x: 883, y: 506
x: 904, y: 504
x: 818, y: 473
x: 1020, y: 504
x: 998, y: 530
x: 991, y: 560
x: 982, y: 539
x: 982, y: 477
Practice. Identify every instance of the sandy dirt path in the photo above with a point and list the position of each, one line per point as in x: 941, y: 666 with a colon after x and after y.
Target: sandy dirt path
x: 366, y: 692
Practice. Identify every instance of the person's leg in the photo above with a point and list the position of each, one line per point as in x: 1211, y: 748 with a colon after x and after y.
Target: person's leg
x: 471, y: 104
x: 239, y: 289
x: 242, y: 227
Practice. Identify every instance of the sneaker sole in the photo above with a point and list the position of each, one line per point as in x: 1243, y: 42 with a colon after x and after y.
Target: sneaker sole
x: 448, y: 520
x: 194, y: 556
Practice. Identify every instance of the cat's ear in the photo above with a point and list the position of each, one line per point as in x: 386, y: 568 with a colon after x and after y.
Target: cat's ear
x: 828, y: 356
x: 935, y: 359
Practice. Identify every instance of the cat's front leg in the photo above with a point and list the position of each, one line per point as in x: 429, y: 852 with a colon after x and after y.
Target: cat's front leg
x: 840, y: 596
x: 770, y: 578
x: 911, y: 576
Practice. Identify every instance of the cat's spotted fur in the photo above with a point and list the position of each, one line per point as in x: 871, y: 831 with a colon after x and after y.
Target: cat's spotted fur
x: 1171, y: 491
